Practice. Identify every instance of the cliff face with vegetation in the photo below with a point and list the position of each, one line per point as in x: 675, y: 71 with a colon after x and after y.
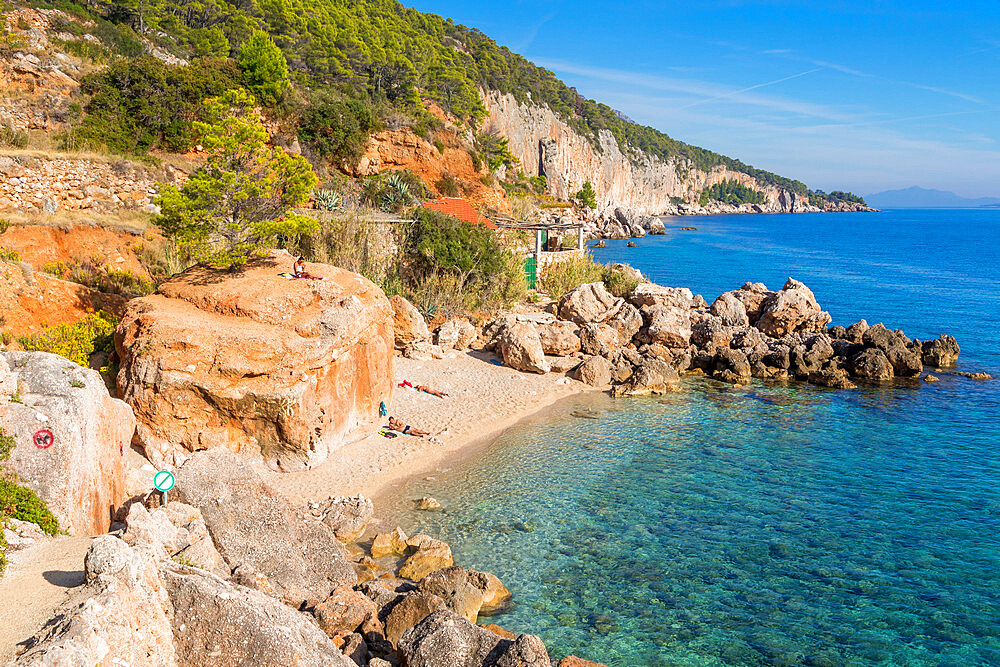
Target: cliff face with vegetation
x: 545, y: 144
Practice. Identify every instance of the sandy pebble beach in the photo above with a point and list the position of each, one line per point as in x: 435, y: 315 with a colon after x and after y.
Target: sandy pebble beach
x: 483, y: 400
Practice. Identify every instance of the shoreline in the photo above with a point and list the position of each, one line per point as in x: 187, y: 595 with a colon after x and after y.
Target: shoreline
x: 484, y: 401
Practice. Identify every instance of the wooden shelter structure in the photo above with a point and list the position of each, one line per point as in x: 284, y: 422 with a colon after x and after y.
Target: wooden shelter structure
x: 548, y: 246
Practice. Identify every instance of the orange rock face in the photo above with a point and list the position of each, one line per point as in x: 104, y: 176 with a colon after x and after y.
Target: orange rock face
x: 256, y: 363
x: 40, y: 245
x: 31, y: 301
x: 402, y: 149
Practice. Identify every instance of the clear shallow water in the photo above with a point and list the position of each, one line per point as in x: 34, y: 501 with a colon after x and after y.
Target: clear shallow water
x: 767, y: 524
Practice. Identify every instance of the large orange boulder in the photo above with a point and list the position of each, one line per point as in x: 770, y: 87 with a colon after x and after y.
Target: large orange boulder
x: 256, y: 363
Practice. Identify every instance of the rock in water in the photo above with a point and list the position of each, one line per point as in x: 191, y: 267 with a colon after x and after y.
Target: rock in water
x: 466, y: 592
x: 70, y: 438
x: 389, y: 544
x: 428, y: 504
x: 445, y: 639
x: 251, y: 525
x: 428, y: 555
x: 252, y: 361
x: 941, y: 351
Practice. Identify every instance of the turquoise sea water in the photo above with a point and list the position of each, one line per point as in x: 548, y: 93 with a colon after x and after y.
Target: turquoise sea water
x: 767, y: 524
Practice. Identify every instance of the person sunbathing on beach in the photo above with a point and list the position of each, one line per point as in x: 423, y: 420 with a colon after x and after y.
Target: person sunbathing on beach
x: 432, y: 392
x: 406, y: 429
x: 299, y: 270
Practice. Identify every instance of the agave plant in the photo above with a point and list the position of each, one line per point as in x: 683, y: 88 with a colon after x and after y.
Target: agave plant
x: 328, y: 200
x: 395, y: 193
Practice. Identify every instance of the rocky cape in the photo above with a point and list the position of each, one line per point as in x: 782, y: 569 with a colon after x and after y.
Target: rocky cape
x: 641, y: 344
x: 638, y: 183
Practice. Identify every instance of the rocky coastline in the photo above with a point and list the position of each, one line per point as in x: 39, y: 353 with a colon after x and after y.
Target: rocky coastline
x: 616, y: 222
x: 230, y: 569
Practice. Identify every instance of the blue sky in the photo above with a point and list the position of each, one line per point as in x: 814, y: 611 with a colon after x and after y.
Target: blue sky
x: 863, y: 96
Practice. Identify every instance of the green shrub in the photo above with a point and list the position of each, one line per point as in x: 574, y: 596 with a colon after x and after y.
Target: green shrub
x: 560, y: 277
x: 587, y: 195
x: 495, y: 150
x: 139, y: 104
x: 327, y: 199
x: 619, y: 282
x: 4, y: 225
x: 102, y: 278
x: 11, y: 137
x: 392, y: 191
x: 76, y: 341
x: 264, y: 68
x: 8, y: 255
x: 338, y: 129
x: 456, y: 266
x: 6, y: 444
x: 447, y: 185
x: 22, y: 503
x: 6, y: 337
x: 241, y: 201
x: 733, y: 192
x: 84, y: 48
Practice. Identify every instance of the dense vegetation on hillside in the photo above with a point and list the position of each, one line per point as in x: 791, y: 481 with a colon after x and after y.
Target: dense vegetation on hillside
x: 392, y: 56
x: 731, y: 191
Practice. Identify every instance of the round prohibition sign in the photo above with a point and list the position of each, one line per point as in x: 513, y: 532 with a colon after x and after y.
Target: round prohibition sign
x: 163, y: 480
x: 44, y: 438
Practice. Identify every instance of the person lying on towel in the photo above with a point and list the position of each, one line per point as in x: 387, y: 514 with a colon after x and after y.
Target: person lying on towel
x: 406, y: 429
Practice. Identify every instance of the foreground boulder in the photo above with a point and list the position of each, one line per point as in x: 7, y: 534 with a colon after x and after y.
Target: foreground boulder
x: 521, y: 348
x: 286, y: 369
x: 143, y: 610
x: 70, y: 438
x: 445, y: 639
x: 254, y: 527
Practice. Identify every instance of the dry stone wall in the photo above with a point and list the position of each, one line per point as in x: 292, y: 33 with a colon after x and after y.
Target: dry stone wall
x: 47, y: 185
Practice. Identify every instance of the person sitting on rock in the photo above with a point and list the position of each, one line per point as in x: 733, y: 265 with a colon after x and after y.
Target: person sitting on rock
x: 406, y: 429
x: 299, y: 270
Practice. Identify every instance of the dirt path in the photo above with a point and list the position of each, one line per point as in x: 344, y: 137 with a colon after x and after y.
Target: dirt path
x: 38, y: 581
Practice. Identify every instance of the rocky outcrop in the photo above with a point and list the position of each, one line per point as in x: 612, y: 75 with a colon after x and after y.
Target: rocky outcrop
x: 408, y: 324
x: 559, y: 338
x: 426, y: 556
x: 791, y: 310
x: 252, y: 362
x: 143, y: 609
x: 346, y: 517
x: 455, y: 334
x: 466, y: 592
x: 252, y: 526
x: 70, y: 438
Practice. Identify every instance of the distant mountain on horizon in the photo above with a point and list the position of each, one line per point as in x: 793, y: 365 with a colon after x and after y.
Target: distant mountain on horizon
x: 917, y: 197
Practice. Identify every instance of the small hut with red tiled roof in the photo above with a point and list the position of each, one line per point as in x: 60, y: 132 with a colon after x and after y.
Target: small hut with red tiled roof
x: 459, y: 208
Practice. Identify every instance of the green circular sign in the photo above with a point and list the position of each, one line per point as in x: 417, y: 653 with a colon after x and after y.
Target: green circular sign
x: 163, y: 480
